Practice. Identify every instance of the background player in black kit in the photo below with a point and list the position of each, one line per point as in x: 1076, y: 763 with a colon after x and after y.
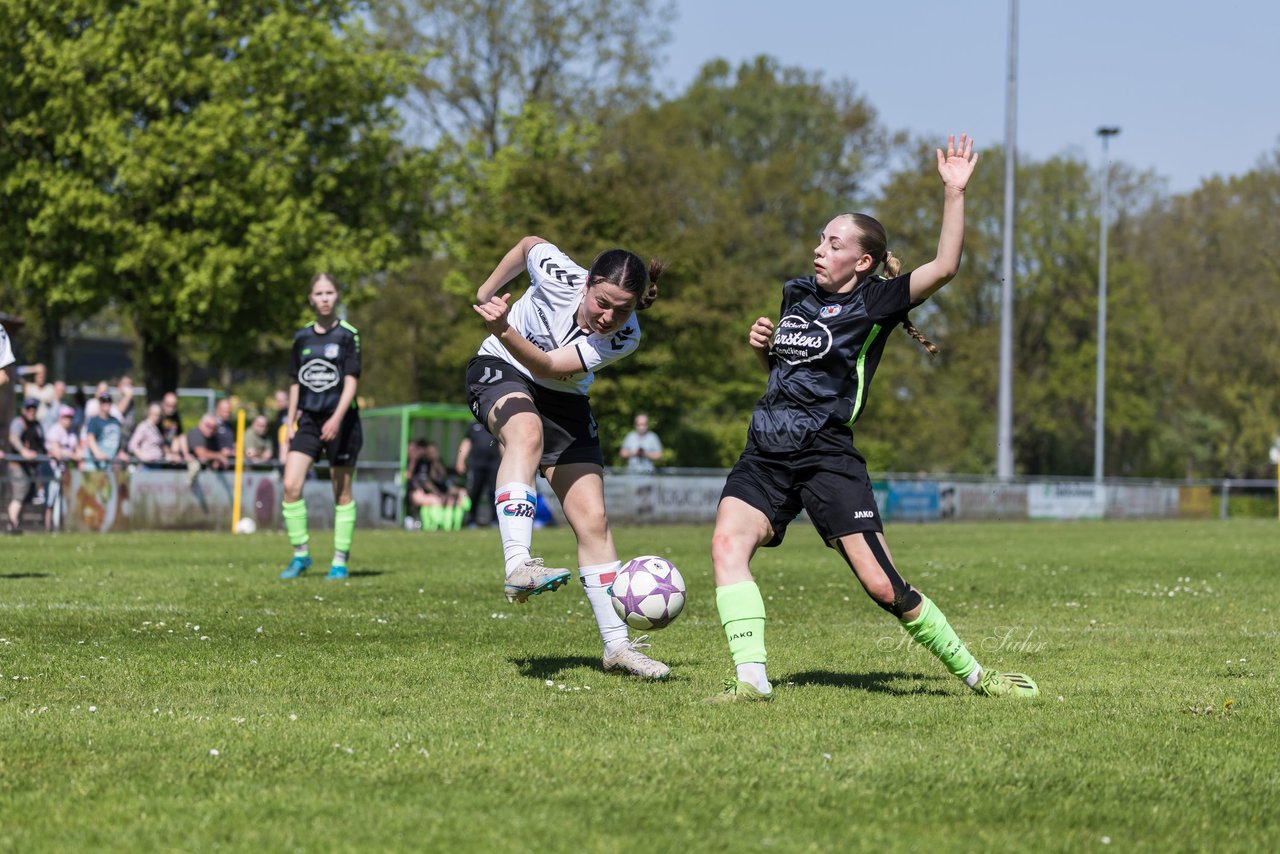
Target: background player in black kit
x: 323, y: 419
x: 800, y: 452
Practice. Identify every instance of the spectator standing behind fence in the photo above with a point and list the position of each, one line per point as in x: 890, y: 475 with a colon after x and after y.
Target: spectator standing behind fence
x: 62, y: 443
x: 147, y: 444
x: 52, y: 415
x: 40, y: 390
x: 127, y: 411
x: 258, y: 447
x: 104, y: 434
x: 641, y: 448
x: 26, y: 442
x: 478, y: 457
x: 226, y: 426
x: 170, y: 419
x: 204, y: 447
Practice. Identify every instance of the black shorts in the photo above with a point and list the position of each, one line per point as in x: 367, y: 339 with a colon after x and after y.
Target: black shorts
x: 569, y: 432
x: 342, y: 451
x: 828, y: 480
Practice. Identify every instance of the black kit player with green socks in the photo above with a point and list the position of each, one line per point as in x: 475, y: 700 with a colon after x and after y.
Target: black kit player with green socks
x: 800, y: 453
x: 323, y: 418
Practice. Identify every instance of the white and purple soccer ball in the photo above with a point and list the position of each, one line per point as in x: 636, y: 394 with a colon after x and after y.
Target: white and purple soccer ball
x: 648, y: 592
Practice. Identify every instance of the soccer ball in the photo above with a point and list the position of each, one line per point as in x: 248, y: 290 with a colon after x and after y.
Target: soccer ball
x: 648, y: 592
x: 246, y: 525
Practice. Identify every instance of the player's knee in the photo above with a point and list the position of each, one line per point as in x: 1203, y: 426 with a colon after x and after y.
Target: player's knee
x: 900, y: 601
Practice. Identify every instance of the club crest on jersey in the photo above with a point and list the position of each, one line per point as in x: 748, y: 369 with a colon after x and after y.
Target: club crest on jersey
x: 331, y: 351
x: 318, y: 375
x: 799, y: 340
x: 830, y: 310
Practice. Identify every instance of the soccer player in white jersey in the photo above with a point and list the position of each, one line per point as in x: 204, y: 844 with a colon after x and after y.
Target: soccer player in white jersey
x: 528, y: 386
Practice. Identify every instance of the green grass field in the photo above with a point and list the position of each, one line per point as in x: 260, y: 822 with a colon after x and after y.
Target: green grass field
x: 167, y: 692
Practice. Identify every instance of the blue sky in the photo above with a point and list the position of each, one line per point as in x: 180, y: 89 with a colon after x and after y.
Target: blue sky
x: 1194, y: 86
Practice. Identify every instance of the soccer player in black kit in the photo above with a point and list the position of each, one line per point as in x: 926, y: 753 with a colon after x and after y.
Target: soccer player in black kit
x: 323, y: 419
x: 800, y: 452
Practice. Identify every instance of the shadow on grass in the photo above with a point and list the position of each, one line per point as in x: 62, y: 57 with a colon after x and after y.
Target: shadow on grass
x: 364, y: 573
x: 550, y: 666
x: 27, y: 575
x: 877, y: 682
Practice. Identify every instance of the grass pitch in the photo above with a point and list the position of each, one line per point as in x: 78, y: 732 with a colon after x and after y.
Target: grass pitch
x: 167, y: 692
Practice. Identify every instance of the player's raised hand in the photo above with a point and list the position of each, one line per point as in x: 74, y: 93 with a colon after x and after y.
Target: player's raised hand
x: 494, y: 313
x: 956, y: 166
x: 761, y: 334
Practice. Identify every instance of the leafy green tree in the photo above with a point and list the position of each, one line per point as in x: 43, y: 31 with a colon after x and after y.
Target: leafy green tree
x: 483, y: 61
x: 194, y: 163
x: 1213, y: 259
x: 939, y: 414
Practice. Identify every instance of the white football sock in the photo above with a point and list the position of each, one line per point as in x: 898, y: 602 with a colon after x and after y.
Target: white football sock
x: 596, y: 581
x: 972, y: 679
x: 753, y: 673
x: 514, y: 505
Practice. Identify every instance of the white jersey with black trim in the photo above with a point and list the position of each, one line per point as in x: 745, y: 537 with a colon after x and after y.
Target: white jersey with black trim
x: 547, y: 315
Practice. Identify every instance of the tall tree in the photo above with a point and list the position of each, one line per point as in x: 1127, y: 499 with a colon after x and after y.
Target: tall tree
x: 1213, y: 258
x: 937, y: 414
x: 194, y: 163
x: 484, y: 60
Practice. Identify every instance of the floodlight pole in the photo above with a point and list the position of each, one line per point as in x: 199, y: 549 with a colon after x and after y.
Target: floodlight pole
x: 1004, y: 416
x: 1099, y: 416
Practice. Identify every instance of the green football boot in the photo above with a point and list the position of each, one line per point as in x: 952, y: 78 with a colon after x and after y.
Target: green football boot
x: 737, y: 691
x: 995, y: 684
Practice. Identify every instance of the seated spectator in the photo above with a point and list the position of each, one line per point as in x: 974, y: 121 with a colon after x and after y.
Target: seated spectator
x: 258, y: 447
x: 26, y: 442
x: 63, y: 445
x: 147, y: 444
x: 202, y: 445
x: 432, y: 493
x: 103, y: 433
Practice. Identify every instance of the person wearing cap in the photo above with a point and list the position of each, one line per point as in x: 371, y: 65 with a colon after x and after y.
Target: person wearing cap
x: 63, y: 445
x: 104, y: 435
x: 26, y: 441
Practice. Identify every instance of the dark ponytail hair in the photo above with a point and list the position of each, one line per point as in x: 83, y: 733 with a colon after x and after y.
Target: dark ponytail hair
x: 625, y: 270
x: 874, y: 241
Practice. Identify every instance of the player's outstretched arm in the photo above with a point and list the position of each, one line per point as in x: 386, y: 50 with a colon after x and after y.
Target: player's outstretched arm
x: 955, y: 168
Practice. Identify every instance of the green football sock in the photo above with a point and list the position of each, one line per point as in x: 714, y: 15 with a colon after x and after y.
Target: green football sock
x: 932, y: 631
x: 344, y: 526
x: 424, y: 516
x: 742, y: 614
x: 295, y: 523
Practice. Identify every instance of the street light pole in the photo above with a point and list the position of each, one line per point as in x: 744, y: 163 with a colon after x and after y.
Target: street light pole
x: 1099, y: 417
x: 1004, y: 408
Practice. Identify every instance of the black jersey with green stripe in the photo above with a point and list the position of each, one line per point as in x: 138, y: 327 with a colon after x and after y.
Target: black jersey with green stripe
x: 320, y: 362
x: 825, y: 351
